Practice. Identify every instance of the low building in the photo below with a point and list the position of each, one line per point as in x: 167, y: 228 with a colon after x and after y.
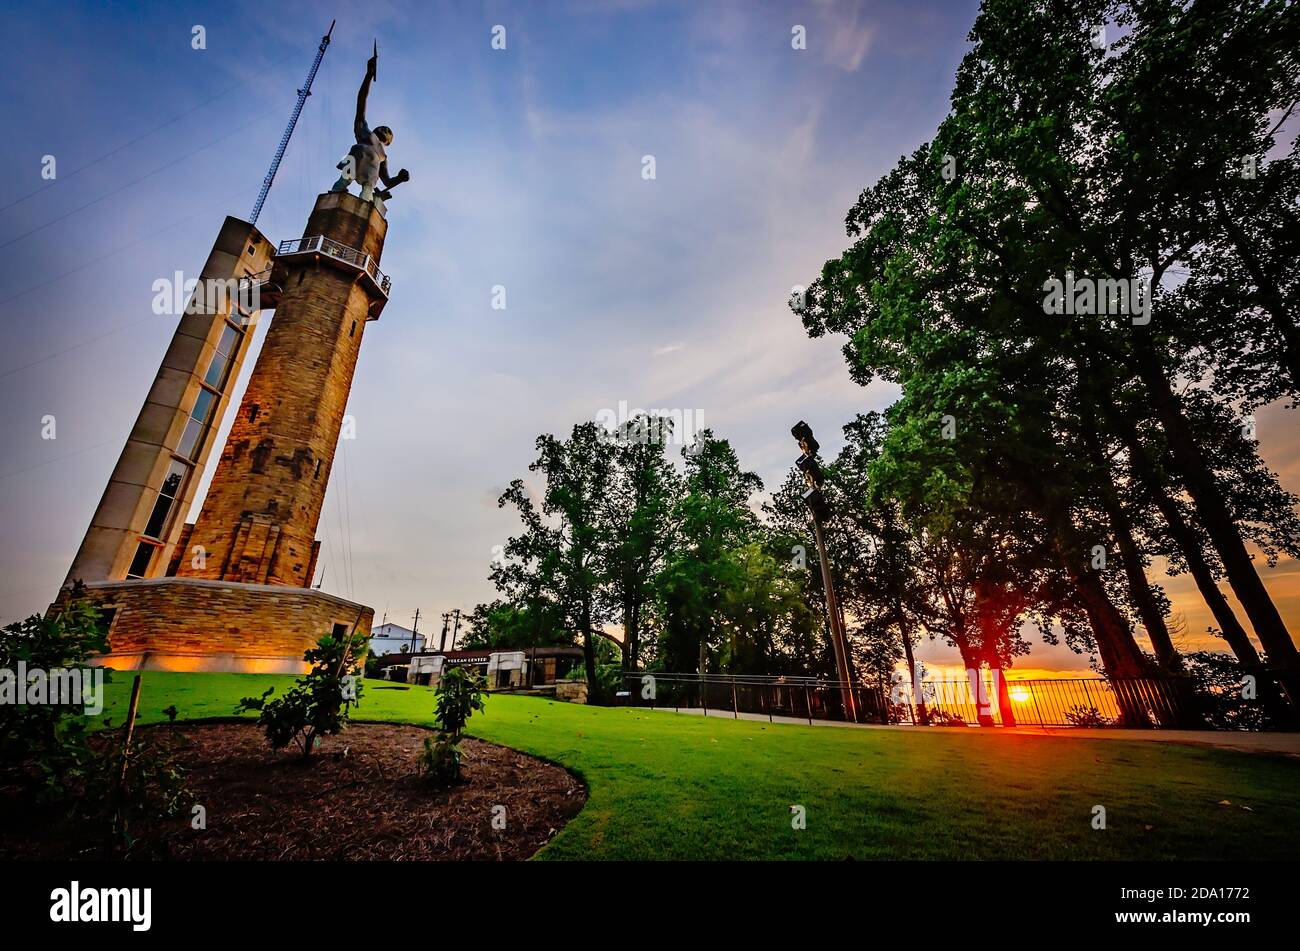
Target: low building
x: 394, y: 639
x: 503, y: 668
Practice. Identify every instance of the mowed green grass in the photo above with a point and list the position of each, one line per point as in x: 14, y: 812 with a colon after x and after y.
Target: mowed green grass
x: 668, y: 786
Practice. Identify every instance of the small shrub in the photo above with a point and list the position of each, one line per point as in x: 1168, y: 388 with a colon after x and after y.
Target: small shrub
x: 125, y: 788
x: 1218, y: 680
x: 319, y: 703
x: 941, y: 717
x: 440, y: 761
x: 460, y: 694
x: 1079, y: 715
x: 53, y: 757
x: 43, y: 746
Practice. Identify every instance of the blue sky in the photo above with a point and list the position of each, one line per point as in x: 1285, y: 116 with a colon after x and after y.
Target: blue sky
x: 526, y: 173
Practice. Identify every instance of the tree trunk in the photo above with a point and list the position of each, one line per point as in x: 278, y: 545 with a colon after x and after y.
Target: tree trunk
x: 971, y: 660
x: 1144, y: 598
x: 1274, y: 700
x: 1226, y: 540
x: 1120, y: 656
x: 1005, y: 709
x: 1187, y: 542
x: 630, y: 636
x: 918, y: 694
x: 1221, y: 528
x: 589, y: 654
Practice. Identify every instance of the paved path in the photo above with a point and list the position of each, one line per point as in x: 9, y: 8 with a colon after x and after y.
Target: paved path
x: 1285, y: 744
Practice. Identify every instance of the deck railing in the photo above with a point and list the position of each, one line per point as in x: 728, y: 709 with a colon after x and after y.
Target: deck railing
x: 1071, y: 702
x: 319, y: 244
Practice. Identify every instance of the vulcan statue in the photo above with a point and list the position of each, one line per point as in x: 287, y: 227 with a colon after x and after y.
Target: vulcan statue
x: 367, y: 161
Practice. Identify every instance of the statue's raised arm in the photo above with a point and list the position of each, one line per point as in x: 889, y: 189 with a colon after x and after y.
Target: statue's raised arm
x: 359, y: 127
x: 367, y: 161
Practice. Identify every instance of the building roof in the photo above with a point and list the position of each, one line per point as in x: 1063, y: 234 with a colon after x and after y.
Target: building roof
x: 389, y: 629
x: 396, y: 660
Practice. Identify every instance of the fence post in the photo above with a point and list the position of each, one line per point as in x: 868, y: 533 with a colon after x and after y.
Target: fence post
x: 807, y: 702
x: 735, y: 704
x: 1034, y: 693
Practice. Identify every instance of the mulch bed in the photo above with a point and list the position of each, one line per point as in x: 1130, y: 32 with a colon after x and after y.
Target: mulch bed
x: 360, y: 798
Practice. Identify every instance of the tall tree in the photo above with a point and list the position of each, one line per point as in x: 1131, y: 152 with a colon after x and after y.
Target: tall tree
x: 637, y: 511
x: 1061, y: 159
x: 557, y: 557
x: 713, y: 521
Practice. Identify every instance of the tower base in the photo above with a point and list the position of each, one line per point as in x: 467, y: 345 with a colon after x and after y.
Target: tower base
x: 191, y: 624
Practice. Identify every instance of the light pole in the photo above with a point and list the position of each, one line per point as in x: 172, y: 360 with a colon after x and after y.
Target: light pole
x: 820, y: 511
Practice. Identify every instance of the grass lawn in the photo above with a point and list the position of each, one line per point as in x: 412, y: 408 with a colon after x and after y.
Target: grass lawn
x: 664, y: 786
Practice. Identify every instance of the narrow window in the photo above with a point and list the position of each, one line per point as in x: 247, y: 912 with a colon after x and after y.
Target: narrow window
x: 198, y: 420
x: 140, y: 563
x: 167, y: 494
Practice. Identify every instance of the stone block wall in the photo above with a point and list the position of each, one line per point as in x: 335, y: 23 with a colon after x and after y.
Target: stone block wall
x: 192, y: 624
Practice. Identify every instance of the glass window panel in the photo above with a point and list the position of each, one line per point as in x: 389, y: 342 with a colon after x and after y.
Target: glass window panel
x: 227, y: 342
x: 158, y: 517
x: 202, y: 403
x: 216, y: 370
x: 140, y: 563
x: 189, y: 438
x: 172, y: 483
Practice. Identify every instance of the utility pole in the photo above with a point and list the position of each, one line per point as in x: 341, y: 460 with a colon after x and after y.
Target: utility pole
x: 415, y: 631
x: 455, y: 614
x: 442, y: 641
x: 820, y: 511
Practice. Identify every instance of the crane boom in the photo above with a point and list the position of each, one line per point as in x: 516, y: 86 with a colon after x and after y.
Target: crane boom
x: 303, y: 93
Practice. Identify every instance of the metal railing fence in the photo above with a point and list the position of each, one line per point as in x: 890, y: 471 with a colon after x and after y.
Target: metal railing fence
x: 1067, y: 702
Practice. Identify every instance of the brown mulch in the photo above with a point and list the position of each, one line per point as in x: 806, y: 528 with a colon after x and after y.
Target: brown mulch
x: 359, y: 798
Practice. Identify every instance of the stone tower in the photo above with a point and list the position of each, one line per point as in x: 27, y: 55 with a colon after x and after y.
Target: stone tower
x: 232, y: 591
x: 140, y: 518
x: 258, y: 522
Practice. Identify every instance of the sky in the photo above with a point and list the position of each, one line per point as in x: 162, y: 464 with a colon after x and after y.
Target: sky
x: 526, y: 174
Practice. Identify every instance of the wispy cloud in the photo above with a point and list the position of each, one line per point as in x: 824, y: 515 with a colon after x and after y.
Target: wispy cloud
x: 850, y: 33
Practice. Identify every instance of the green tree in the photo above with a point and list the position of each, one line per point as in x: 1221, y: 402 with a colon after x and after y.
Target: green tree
x: 637, y: 513
x: 43, y: 746
x: 1062, y: 159
x: 1126, y: 162
x: 712, y: 521
x: 556, y: 559
x: 502, y: 623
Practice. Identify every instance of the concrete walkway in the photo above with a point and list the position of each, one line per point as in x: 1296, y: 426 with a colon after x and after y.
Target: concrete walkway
x: 1283, y: 744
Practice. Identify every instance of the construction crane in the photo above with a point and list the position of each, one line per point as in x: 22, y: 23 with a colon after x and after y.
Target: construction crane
x: 303, y: 93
